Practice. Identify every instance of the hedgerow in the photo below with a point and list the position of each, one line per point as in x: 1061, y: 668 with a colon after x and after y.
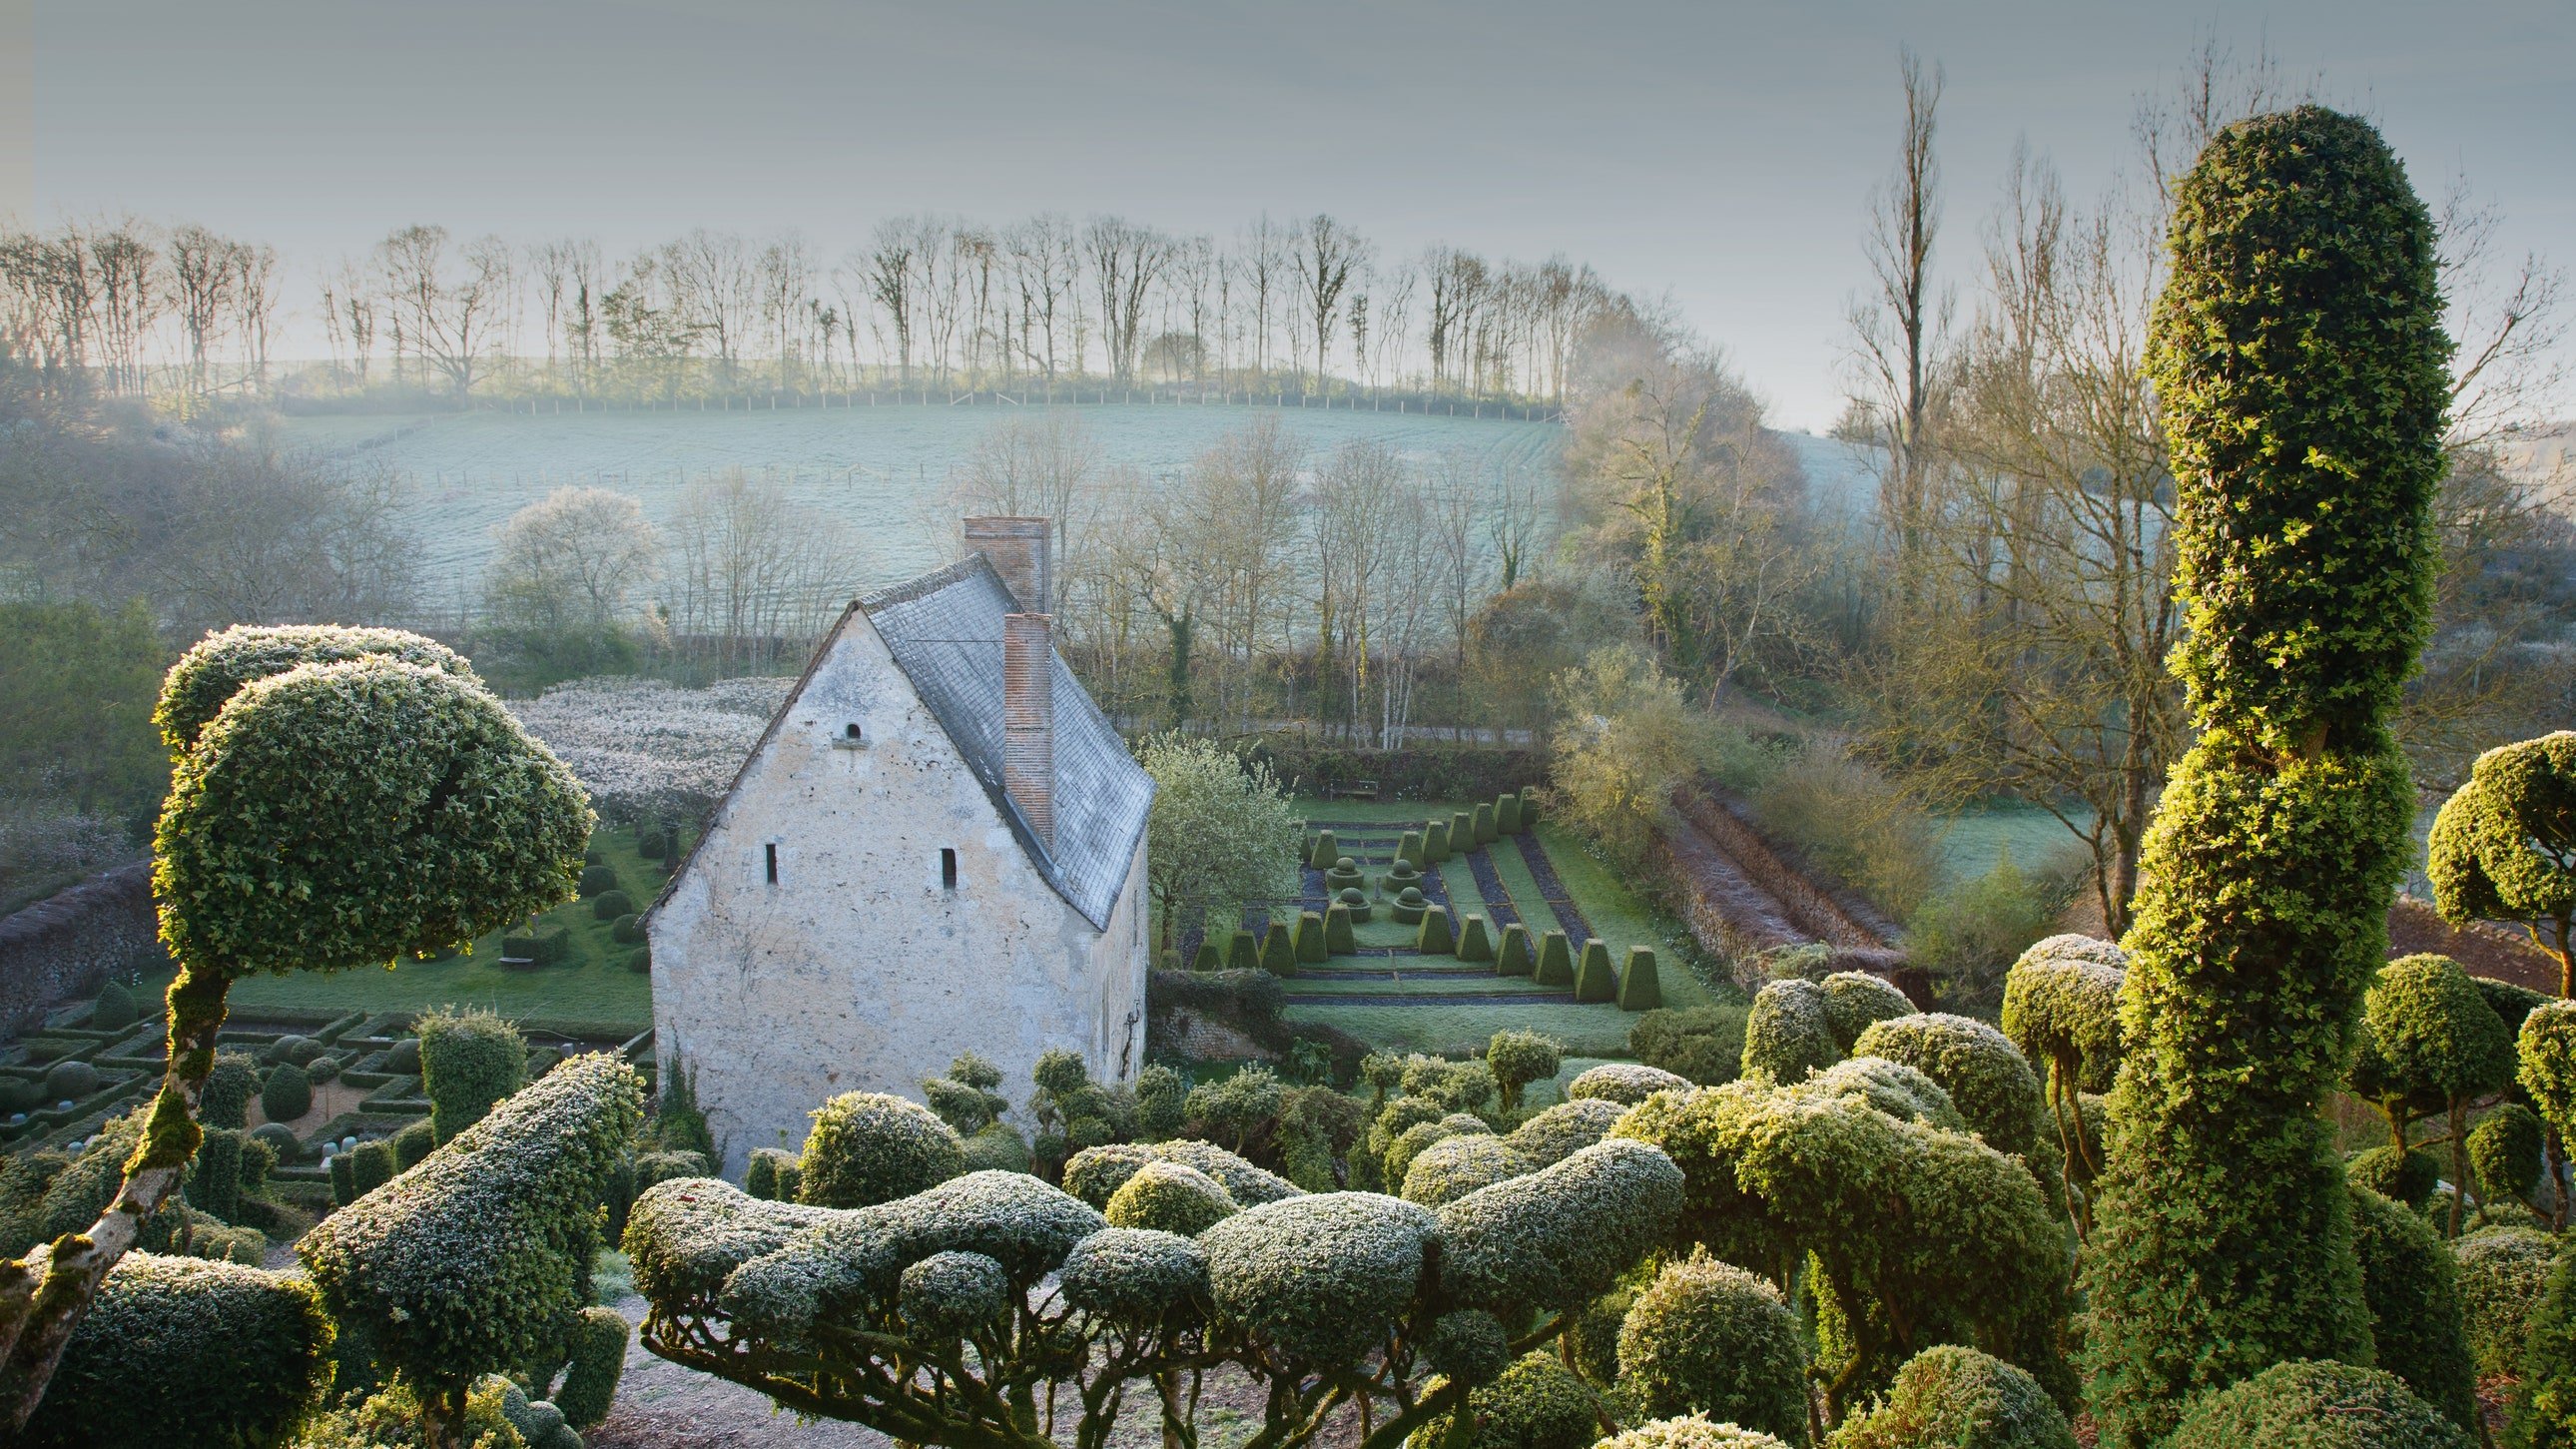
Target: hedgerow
x: 477, y: 1261
x: 2298, y: 353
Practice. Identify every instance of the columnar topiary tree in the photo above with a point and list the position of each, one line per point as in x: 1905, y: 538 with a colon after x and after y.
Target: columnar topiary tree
x: 469, y: 1060
x: 322, y: 816
x: 2299, y: 356
x: 2504, y: 846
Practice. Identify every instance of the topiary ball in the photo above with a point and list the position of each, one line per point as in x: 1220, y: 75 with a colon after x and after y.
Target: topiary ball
x: 1987, y: 1077
x: 1789, y: 1033
x: 610, y: 905
x: 1453, y: 1167
x: 1564, y: 1129
x: 1171, y: 1198
x: 953, y: 1294
x: 627, y: 930
x: 1535, y: 1403
x: 287, y: 1094
x: 1691, y: 1433
x: 1855, y: 1000
x: 1959, y: 1398
x: 1135, y: 1275
x: 2312, y: 1405
x: 71, y: 1081
x: 2407, y: 1177
x: 2505, y: 1154
x: 1706, y: 1337
x: 866, y: 1148
x: 1319, y: 1278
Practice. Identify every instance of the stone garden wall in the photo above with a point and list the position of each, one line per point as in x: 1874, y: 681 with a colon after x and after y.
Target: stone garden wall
x: 63, y: 948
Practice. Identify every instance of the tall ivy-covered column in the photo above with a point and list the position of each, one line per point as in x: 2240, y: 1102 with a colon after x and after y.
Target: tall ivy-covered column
x: 2299, y: 354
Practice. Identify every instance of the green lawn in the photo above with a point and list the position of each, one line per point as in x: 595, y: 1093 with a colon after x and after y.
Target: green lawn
x: 1972, y: 841
x: 593, y: 992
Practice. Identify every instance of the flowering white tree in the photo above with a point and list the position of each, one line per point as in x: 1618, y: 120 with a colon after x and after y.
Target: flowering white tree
x: 1220, y: 828
x: 651, y: 751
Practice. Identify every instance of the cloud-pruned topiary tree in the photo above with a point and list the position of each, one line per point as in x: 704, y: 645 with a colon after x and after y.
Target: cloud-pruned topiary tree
x: 2504, y: 846
x: 2430, y: 1044
x: 867, y: 1147
x: 2062, y: 1008
x: 327, y: 816
x: 1707, y: 1337
x: 2299, y: 356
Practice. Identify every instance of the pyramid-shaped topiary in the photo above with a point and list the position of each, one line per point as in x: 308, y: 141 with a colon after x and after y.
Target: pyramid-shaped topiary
x: 1639, y: 988
x: 1278, y: 952
x: 1514, y: 957
x: 1475, y: 943
x: 1555, y: 961
x: 1435, y: 938
x: 1593, y: 978
x: 1338, y: 939
x: 1309, y: 938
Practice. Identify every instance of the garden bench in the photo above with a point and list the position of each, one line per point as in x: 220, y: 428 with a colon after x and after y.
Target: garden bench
x: 1355, y: 790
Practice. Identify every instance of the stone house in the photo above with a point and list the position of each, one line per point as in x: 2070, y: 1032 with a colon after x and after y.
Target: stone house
x: 938, y: 845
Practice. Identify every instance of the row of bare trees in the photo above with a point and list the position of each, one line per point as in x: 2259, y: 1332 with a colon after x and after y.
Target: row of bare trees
x: 1306, y: 305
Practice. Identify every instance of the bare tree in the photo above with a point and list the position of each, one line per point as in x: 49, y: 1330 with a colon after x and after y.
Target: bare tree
x: 1326, y: 252
x: 1125, y: 259
x: 1264, y: 265
x: 714, y: 275
x: 752, y: 574
x: 127, y: 300
x: 254, y: 306
x: 786, y: 282
x: 1896, y: 326
x: 889, y: 273
x: 1032, y: 466
x: 1044, y: 280
x: 205, y: 274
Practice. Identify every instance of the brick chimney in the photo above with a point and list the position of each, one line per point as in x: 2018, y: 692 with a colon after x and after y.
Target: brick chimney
x: 1017, y: 550
x: 1028, y: 714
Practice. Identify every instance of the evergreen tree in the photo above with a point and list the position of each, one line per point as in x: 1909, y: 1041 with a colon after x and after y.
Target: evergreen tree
x: 2299, y: 355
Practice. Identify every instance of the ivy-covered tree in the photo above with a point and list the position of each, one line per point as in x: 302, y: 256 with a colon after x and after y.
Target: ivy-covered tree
x: 1219, y: 829
x: 328, y: 815
x: 2299, y: 355
x: 2504, y: 846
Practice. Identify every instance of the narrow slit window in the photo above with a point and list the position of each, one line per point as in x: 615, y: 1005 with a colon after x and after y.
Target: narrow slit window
x: 770, y: 851
x: 947, y: 868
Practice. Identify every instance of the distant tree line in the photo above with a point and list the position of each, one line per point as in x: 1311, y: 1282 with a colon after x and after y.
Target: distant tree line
x: 1049, y: 304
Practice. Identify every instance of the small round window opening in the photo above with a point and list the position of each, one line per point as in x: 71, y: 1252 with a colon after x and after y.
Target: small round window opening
x: 850, y: 731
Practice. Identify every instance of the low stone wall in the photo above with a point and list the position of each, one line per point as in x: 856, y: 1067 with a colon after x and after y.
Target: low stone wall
x: 65, y: 947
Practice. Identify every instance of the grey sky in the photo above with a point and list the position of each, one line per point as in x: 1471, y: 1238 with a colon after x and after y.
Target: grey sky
x: 1718, y: 152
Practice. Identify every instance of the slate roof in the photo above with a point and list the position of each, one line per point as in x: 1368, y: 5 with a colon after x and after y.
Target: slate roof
x: 945, y: 631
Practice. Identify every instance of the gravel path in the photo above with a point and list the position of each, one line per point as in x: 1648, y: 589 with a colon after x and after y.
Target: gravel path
x: 661, y: 1405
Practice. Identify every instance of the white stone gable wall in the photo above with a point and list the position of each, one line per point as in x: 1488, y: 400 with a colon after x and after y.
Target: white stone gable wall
x: 857, y: 971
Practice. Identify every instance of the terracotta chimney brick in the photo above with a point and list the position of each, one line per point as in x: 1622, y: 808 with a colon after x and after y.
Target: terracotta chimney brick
x: 1028, y: 718
x: 1016, y: 547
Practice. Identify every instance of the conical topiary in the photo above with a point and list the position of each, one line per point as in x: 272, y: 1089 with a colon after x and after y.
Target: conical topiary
x: 1278, y: 953
x: 1435, y: 937
x: 1555, y: 960
x: 1206, y: 959
x: 114, y: 1010
x: 1243, y: 952
x: 1484, y: 825
x: 1408, y: 851
x: 1475, y: 943
x: 1323, y: 852
x: 1593, y: 978
x: 1435, y: 842
x: 1639, y: 988
x: 1507, y: 815
x: 1514, y: 957
x: 1529, y: 811
x: 1338, y: 939
x: 1309, y: 939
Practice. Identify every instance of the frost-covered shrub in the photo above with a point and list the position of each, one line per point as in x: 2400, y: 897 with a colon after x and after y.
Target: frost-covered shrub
x: 1468, y: 1086
x: 1468, y: 1346
x: 2062, y: 1007
x: 1170, y: 1197
x: 1706, y: 1337
x: 1958, y: 1398
x: 1626, y: 1083
x: 998, y: 1148
x: 1558, y: 1237
x: 1563, y: 1130
x: 1532, y: 1404
x: 1096, y: 1173
x: 1987, y: 1077
x: 2316, y: 1405
x: 1789, y: 1033
x: 867, y: 1147
x: 2501, y: 1273
x: 468, y: 1060
x: 2407, y: 1279
x: 181, y: 1351
x: 953, y: 1294
x: 1894, y: 1088
x: 1321, y: 1278
x: 1854, y: 1000
x: 770, y: 1175
x: 217, y: 667
x: 1518, y: 1058
x: 477, y: 1260
x: 1690, y: 1433
x: 1453, y: 1167
x: 1131, y: 1275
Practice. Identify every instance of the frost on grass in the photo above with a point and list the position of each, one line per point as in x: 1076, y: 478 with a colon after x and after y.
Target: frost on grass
x: 649, y: 751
